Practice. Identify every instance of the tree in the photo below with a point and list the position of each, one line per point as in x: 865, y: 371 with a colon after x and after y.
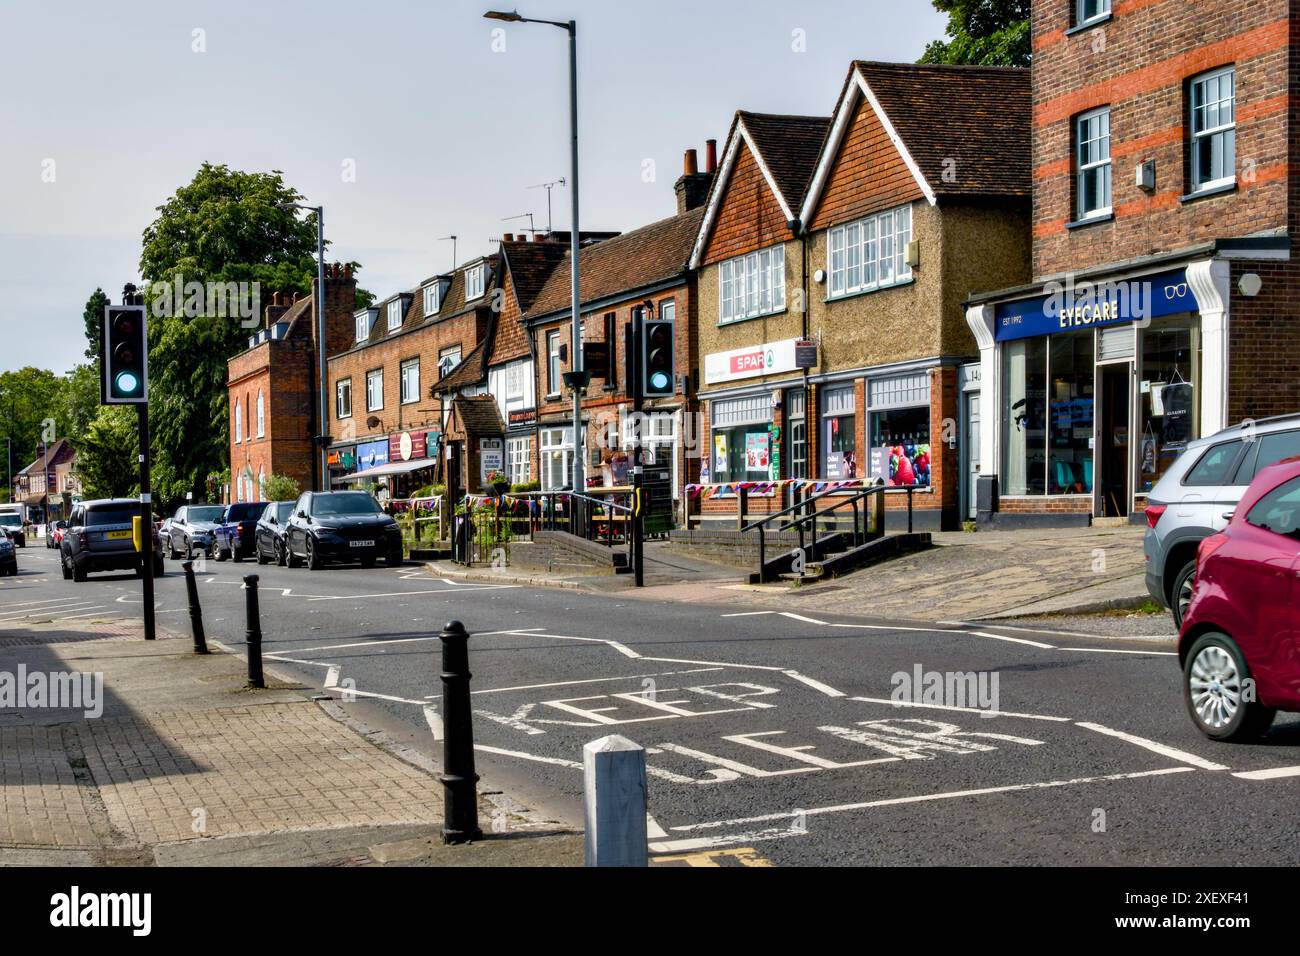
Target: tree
x: 79, y: 400
x: 29, y: 399
x: 281, y: 488
x: 983, y: 33
x: 106, y: 454
x: 93, y: 316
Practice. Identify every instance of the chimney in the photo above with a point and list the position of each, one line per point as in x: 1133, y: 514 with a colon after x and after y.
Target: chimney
x: 340, y: 304
x: 278, y: 307
x: 710, y: 156
x: 508, y: 237
x: 692, y: 188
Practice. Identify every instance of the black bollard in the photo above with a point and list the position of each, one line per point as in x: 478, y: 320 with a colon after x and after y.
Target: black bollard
x: 196, y: 612
x: 460, y: 823
x: 253, y: 636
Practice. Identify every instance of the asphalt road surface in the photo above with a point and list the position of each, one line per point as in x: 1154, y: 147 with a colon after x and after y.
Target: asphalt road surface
x: 769, y: 730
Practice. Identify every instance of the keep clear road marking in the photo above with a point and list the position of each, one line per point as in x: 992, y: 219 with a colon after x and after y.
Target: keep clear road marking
x: 966, y: 710
x: 1154, y: 746
x: 895, y: 627
x: 1271, y: 774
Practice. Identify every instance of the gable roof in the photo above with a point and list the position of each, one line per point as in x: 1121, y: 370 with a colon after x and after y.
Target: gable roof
x: 630, y: 261
x: 972, y: 121
x: 471, y: 371
x: 786, y: 150
x: 531, y: 265
x: 478, y: 415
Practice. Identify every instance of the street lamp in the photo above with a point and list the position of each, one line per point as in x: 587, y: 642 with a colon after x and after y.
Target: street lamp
x: 577, y: 379
x: 323, y: 474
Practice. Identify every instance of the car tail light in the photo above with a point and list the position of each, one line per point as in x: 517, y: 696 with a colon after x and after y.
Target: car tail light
x: 1207, y: 547
x: 83, y: 540
x: 1153, y: 514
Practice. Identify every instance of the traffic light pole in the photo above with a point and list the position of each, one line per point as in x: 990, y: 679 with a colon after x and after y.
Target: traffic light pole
x: 146, y: 523
x: 638, y: 534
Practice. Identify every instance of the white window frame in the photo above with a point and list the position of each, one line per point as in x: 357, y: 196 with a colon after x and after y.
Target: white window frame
x: 343, y: 387
x: 394, y: 315
x: 239, y: 421
x: 362, y: 329
x: 1226, y: 131
x: 373, y: 376
x: 752, y: 285
x: 861, y: 258
x: 475, y: 282
x: 518, y: 461
x: 410, y: 383
x: 432, y: 298
x: 555, y: 444
x: 448, y: 359
x: 1097, y: 165
x: 1081, y: 15
x: 554, y: 364
x: 261, y: 415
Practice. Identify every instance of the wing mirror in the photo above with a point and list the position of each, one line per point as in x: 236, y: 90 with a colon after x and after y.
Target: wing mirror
x: 1227, y: 515
x: 302, y: 514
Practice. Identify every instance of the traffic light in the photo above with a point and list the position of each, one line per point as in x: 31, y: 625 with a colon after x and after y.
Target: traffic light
x: 657, y: 374
x: 124, y: 356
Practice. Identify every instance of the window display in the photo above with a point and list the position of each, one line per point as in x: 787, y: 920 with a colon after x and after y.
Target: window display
x: 839, y: 433
x: 900, y: 446
x: 1170, y: 367
x: 1070, y: 414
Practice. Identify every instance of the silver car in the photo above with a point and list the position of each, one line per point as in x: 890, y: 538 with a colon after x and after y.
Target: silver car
x: 1197, y: 495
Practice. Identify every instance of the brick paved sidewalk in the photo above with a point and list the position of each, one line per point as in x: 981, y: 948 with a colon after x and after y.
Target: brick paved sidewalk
x: 186, y: 765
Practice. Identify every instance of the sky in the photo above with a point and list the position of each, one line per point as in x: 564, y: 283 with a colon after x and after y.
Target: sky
x: 408, y: 121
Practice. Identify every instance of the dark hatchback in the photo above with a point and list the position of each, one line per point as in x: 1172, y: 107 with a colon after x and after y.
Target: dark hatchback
x: 341, y: 526
x: 236, y: 534
x: 269, y: 536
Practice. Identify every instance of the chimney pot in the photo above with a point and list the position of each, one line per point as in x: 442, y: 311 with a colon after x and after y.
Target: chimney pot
x: 690, y: 163
x: 347, y: 271
x: 508, y: 237
x: 710, y: 155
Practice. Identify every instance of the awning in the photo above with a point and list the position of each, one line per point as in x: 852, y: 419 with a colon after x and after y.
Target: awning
x: 392, y: 468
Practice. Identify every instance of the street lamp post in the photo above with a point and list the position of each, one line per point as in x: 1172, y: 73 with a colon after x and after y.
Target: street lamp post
x: 577, y: 378
x: 322, y: 460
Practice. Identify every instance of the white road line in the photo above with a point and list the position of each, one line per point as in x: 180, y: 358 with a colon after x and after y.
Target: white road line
x: 46, y: 611
x: 5, y: 607
x: 73, y: 617
x: 814, y: 684
x: 1273, y: 773
x: 927, y: 797
x: 653, y: 830
x: 1154, y: 746
x: 381, y: 594
x: 557, y: 761
x: 749, y: 613
x: 1117, y: 650
x: 396, y: 640
x: 434, y: 720
x: 1013, y: 640
x: 799, y: 617
x: 591, y: 680
x: 735, y: 839
x: 968, y: 710
x: 940, y: 630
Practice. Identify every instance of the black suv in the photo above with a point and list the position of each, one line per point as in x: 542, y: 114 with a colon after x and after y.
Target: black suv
x: 236, y: 535
x: 99, y: 537
x: 341, y: 526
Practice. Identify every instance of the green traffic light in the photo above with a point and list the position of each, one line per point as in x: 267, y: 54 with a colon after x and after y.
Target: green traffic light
x: 127, y: 383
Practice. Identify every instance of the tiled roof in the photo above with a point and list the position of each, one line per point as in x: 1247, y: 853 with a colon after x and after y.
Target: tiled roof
x: 531, y: 264
x: 479, y: 415
x: 789, y: 146
x: 49, y: 459
x: 637, y: 258
x: 971, y: 121
x: 471, y: 371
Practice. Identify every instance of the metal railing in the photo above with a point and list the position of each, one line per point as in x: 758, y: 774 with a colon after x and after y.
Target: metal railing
x: 598, y: 516
x: 807, y: 513
x: 426, y: 510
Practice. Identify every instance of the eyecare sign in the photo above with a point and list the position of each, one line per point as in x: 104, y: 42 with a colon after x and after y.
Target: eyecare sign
x: 1069, y: 306
x: 771, y: 358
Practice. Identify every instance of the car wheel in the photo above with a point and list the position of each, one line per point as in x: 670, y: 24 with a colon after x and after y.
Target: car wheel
x: 261, y: 558
x: 368, y: 562
x: 221, y: 553
x: 67, y: 566
x: 1180, y: 595
x: 78, y: 573
x: 279, y: 549
x: 314, y: 562
x: 159, y: 569
x: 290, y: 559
x: 1220, y: 693
x: 394, y: 560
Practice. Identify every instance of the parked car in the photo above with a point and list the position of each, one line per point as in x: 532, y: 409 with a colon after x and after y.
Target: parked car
x: 1240, y: 641
x: 268, y: 543
x: 100, y: 537
x: 235, y: 534
x: 13, y: 523
x: 193, y: 528
x: 8, y: 554
x: 341, y: 526
x: 1188, y: 503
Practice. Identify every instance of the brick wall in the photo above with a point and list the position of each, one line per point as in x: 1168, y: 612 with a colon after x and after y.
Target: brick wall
x: 749, y: 218
x: 1264, y: 349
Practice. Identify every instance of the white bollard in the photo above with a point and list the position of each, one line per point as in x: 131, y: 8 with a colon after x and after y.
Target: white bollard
x: 614, y: 785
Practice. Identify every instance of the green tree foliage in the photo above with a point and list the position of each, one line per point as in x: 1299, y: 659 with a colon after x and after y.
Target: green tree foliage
x: 983, y: 33
x: 106, y: 454
x: 28, y: 397
x: 93, y: 316
x: 79, y: 400
x: 281, y: 488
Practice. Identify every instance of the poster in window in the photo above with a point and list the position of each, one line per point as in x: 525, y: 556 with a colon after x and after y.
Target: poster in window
x: 1176, y: 430
x: 902, y: 464
x: 720, y: 453
x: 756, y: 452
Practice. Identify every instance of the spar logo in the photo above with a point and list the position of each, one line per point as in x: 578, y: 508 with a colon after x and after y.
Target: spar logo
x: 75, y: 909
x: 754, y: 361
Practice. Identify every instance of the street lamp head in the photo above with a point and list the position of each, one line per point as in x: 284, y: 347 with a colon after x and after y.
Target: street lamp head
x: 509, y: 17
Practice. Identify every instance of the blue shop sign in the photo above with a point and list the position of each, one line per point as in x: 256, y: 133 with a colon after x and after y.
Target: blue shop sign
x: 1069, y: 307
x: 371, y: 454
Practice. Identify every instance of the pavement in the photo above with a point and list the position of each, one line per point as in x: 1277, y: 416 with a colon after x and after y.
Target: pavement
x: 1086, y: 579
x: 187, y: 766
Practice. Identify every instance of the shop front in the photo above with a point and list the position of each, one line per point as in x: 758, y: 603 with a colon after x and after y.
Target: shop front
x: 1090, y: 393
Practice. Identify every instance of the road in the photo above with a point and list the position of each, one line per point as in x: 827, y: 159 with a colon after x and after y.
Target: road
x: 768, y: 730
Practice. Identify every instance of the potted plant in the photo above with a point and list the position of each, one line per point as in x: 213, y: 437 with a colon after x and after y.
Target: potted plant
x: 498, y: 481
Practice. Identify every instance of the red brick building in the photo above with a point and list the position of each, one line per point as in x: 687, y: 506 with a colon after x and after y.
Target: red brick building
x: 273, y: 392
x: 1164, y: 298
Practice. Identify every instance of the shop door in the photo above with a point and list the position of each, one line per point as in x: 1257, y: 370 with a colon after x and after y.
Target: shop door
x: 972, y: 450
x: 1114, y: 439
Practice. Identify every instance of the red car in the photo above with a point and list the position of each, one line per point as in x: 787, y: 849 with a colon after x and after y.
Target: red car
x: 1240, y: 640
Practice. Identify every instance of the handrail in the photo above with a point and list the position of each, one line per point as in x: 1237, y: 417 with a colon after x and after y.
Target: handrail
x: 877, y: 488
x: 838, y: 492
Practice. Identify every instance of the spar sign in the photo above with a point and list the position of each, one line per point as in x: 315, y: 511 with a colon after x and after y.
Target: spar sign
x: 770, y: 358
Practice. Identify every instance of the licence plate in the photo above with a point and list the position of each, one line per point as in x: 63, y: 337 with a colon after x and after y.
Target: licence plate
x: 117, y: 534
x: 362, y: 544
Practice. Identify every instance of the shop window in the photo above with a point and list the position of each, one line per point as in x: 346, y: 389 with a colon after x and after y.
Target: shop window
x: 1069, y: 415
x: 1024, y: 468
x: 899, y: 430
x: 839, y: 433
x: 740, y: 439
x: 518, y: 466
x: 1167, y: 395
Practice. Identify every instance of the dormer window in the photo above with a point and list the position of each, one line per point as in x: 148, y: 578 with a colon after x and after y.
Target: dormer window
x: 363, y: 319
x: 475, y: 280
x: 395, y: 314
x: 432, y: 298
